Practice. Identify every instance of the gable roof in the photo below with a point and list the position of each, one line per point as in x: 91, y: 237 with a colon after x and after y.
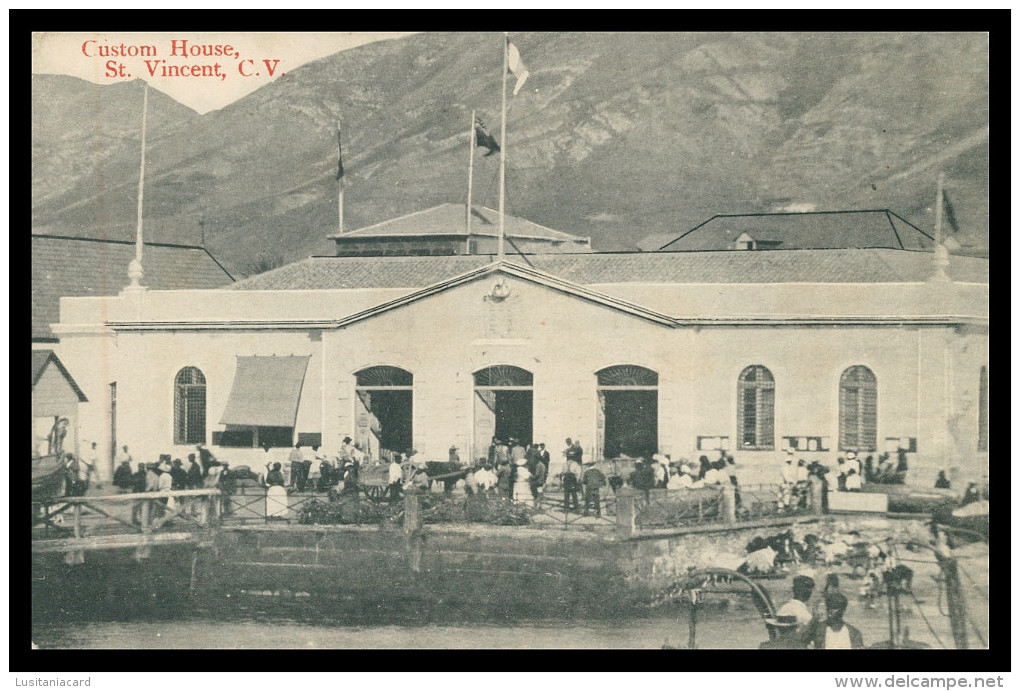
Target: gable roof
x: 41, y: 358
x: 526, y: 273
x: 878, y: 228
x: 87, y: 267
x: 448, y: 219
x: 777, y: 266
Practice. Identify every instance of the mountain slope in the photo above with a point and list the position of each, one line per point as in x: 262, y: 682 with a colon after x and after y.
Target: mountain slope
x: 616, y: 136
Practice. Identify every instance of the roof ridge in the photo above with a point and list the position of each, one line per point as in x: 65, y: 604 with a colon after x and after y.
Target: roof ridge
x: 390, y: 220
x: 49, y: 236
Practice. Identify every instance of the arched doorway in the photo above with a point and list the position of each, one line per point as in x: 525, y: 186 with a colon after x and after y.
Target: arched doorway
x: 628, y: 412
x: 504, y: 406
x: 384, y: 410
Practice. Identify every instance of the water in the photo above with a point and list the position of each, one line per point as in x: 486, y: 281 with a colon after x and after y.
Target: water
x: 205, y: 633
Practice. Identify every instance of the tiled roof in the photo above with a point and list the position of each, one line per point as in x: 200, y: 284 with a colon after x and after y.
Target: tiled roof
x: 76, y: 267
x: 448, y: 219
x: 812, y: 230
x: 791, y: 266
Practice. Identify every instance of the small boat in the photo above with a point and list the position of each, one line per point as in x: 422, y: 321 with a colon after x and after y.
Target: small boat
x: 48, y: 476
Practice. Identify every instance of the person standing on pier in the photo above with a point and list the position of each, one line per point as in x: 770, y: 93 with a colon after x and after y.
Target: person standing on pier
x: 538, y: 477
x: 194, y: 473
x: 396, y: 477
x: 123, y: 477
x: 594, y: 481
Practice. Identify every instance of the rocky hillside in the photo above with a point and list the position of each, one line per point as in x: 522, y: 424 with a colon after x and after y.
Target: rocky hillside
x: 628, y: 138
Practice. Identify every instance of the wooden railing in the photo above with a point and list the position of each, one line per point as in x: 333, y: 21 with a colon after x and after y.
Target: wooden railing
x: 130, y: 520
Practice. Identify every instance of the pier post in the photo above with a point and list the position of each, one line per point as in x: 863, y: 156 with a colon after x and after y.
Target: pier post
x: 412, y: 527
x: 626, y: 513
x: 957, y: 607
x: 815, y: 489
x: 144, y: 551
x: 76, y: 556
x: 728, y: 504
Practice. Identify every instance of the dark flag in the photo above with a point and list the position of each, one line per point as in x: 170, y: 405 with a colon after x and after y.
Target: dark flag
x: 483, y: 138
x: 339, y: 156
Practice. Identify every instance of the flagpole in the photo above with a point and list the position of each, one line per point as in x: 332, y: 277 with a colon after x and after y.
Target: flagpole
x: 938, y: 209
x: 340, y: 183
x: 471, y: 171
x: 135, y: 271
x: 502, y: 149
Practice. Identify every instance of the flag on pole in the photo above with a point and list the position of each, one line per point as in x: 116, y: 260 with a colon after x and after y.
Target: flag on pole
x: 339, y: 156
x: 516, y: 66
x: 483, y: 138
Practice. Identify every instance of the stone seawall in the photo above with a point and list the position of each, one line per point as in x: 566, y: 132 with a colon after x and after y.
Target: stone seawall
x: 371, y: 573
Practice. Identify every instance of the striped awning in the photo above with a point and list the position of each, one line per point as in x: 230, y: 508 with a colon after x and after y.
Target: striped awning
x: 266, y: 391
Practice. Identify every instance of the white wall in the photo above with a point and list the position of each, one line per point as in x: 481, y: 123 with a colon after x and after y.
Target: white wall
x: 927, y: 376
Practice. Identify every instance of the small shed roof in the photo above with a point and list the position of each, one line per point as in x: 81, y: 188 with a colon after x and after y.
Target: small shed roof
x: 42, y: 358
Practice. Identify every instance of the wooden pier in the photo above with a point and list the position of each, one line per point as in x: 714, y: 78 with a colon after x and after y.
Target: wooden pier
x: 136, y: 521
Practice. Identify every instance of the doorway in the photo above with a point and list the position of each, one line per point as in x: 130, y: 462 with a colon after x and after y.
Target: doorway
x: 628, y: 412
x: 504, y: 406
x: 384, y: 411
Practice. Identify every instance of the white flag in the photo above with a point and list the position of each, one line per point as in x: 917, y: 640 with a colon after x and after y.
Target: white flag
x: 516, y: 66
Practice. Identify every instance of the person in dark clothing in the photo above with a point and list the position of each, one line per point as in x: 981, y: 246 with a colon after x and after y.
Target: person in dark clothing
x: 274, y: 477
x: 123, y: 477
x: 538, y: 476
x: 194, y: 473
x: 869, y: 469
x: 706, y: 465
x: 325, y: 476
x: 942, y: 482
x: 593, y: 482
x: 543, y: 456
x: 971, y: 494
x: 228, y: 486
x: 643, y: 478
x: 205, y: 457
x: 901, y: 467
x: 832, y: 632
x: 178, y: 475
x: 140, y: 478
x: 569, y: 491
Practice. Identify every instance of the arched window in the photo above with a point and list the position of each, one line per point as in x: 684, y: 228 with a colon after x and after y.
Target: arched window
x: 858, y: 410
x: 189, y: 406
x: 503, y: 375
x: 756, y: 409
x: 983, y: 410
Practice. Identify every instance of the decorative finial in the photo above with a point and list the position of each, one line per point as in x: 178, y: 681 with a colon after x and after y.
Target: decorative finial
x: 135, y: 273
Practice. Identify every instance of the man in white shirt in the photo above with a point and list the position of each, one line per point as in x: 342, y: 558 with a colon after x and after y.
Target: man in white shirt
x: 803, y: 587
x: 396, y: 477
x: 853, y: 462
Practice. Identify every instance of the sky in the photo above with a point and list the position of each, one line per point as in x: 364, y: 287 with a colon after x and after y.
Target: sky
x: 190, y: 79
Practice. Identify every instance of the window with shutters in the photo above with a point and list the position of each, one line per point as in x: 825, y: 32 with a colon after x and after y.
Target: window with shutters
x: 756, y: 404
x: 858, y: 410
x: 189, y: 406
x: 983, y: 410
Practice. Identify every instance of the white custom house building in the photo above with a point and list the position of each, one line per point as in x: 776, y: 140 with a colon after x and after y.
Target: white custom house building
x: 823, y: 350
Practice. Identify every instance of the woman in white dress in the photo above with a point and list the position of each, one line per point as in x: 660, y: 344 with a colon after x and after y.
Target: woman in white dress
x: 522, y: 486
